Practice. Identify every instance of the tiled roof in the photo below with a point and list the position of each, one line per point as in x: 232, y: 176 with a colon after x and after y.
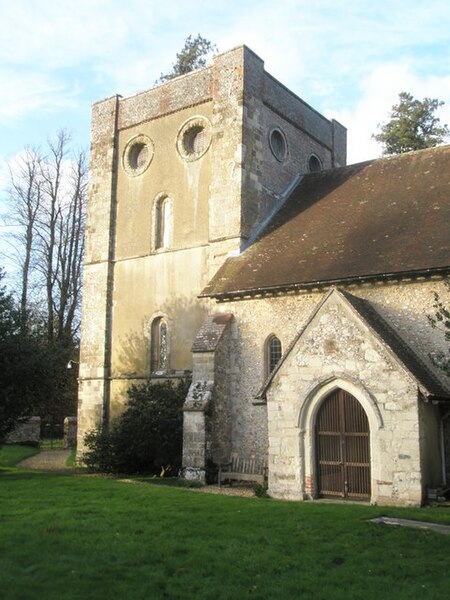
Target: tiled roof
x: 387, y: 217
x: 210, y: 332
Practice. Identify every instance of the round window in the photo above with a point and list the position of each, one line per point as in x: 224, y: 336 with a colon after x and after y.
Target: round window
x: 278, y: 144
x: 137, y: 155
x: 194, y: 138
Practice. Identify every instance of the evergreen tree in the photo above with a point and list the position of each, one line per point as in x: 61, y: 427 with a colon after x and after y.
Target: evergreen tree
x: 147, y: 436
x: 46, y: 199
x: 413, y: 126
x: 193, y: 56
x: 26, y: 366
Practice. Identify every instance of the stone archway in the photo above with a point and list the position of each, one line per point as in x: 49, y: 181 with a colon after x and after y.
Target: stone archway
x: 342, y: 436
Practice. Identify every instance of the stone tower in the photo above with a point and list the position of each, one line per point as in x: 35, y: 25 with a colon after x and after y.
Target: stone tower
x: 181, y: 176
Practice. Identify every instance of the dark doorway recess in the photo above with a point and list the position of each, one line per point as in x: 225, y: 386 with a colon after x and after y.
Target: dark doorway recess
x: 343, y: 448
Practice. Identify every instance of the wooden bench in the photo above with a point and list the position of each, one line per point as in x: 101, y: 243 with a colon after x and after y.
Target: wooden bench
x: 243, y: 469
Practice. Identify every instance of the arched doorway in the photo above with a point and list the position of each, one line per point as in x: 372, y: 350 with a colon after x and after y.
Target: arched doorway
x: 342, y: 448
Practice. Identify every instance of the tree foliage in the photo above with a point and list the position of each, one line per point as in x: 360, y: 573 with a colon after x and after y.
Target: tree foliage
x: 441, y: 320
x: 194, y: 55
x: 46, y: 203
x: 32, y: 373
x: 413, y: 126
x: 147, y: 436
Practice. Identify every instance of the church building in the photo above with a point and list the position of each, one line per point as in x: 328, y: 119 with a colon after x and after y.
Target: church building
x: 227, y: 240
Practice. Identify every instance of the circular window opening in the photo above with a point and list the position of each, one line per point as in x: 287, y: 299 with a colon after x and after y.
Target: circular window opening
x: 138, y: 155
x: 194, y: 138
x: 314, y: 164
x: 278, y: 144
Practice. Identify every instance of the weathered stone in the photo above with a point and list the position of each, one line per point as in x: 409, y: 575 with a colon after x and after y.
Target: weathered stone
x: 26, y: 431
x: 70, y: 432
x: 258, y: 138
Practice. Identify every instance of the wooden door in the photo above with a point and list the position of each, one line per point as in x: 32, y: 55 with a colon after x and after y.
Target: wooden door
x: 343, y: 448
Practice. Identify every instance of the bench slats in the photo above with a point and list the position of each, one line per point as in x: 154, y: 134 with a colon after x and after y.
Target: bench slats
x: 243, y: 469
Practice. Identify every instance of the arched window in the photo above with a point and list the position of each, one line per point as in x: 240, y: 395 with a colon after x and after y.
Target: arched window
x: 163, y: 222
x: 273, y: 353
x: 314, y: 164
x: 159, y: 353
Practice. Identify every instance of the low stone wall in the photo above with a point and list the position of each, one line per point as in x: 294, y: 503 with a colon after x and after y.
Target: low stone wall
x: 27, y: 431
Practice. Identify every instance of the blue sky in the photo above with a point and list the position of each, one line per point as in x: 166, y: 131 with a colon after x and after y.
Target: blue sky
x: 348, y: 59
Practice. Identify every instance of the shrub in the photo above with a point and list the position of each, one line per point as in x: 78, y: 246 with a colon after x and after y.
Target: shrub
x: 148, y: 434
x: 100, y: 454
x: 261, y: 490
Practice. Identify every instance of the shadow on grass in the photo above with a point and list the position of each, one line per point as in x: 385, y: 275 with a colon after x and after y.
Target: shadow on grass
x: 18, y: 474
x: 168, y: 481
x: 11, y: 454
x: 94, y: 537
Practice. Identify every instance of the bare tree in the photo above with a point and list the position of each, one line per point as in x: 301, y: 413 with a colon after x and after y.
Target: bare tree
x: 25, y: 201
x: 47, y: 202
x: 70, y: 248
x: 47, y: 199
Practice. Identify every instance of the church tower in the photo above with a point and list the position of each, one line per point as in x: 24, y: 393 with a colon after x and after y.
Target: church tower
x: 181, y: 176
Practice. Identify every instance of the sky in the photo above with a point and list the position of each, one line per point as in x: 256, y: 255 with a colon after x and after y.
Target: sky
x: 348, y: 59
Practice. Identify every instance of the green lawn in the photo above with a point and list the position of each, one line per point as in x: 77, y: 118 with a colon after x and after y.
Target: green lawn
x: 90, y: 537
x: 12, y: 454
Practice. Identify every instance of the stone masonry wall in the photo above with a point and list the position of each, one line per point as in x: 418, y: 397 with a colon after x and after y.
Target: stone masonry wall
x: 269, y: 105
x: 97, y: 273
x: 217, y: 89
x: 206, y: 420
x: 219, y: 422
x: 336, y: 349
x: 404, y: 305
x: 27, y: 431
x: 238, y: 181
x: 195, y: 411
x: 70, y: 432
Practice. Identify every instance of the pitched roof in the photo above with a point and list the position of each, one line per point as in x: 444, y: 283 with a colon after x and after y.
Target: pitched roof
x: 210, y: 332
x: 379, y: 218
x: 430, y: 385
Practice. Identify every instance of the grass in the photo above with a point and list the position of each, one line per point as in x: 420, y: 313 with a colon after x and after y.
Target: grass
x: 11, y: 454
x: 68, y: 537
x: 71, y: 461
x: 50, y: 444
x: 168, y: 481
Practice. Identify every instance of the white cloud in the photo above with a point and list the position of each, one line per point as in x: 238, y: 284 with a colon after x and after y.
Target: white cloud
x: 58, y: 34
x: 329, y: 52
x: 378, y: 93
x: 326, y: 43
x: 25, y: 92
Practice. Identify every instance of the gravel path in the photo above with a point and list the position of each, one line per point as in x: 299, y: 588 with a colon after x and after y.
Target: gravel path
x: 47, y: 460
x: 55, y: 460
x: 246, y: 492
